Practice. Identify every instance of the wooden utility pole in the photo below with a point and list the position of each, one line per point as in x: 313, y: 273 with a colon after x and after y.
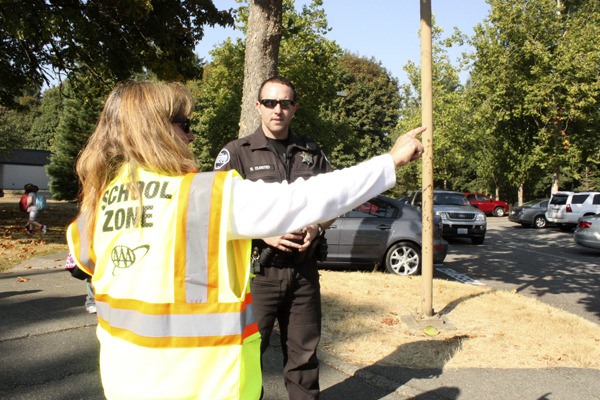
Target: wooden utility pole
x: 427, y: 138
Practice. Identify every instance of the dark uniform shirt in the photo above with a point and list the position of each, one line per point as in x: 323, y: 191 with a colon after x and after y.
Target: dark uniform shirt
x: 255, y: 158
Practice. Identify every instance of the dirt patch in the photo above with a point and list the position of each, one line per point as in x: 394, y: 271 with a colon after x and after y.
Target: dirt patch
x: 16, y: 245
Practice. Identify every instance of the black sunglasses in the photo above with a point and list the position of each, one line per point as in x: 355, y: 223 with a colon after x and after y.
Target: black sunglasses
x: 185, y: 123
x: 285, y: 104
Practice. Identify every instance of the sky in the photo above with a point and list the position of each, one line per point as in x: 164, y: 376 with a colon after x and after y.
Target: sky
x: 386, y: 30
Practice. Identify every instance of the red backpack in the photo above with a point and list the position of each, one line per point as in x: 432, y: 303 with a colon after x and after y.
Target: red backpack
x: 23, y: 203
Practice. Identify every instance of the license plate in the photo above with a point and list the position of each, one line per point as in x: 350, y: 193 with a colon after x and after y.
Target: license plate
x: 462, y: 231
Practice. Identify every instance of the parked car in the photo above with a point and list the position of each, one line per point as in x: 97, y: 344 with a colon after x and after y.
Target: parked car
x: 587, y: 233
x: 488, y: 205
x: 385, y: 232
x: 459, y: 217
x: 531, y: 213
x: 565, y: 208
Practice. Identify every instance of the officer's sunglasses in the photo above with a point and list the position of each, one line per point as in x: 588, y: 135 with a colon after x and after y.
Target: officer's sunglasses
x: 285, y: 104
x: 185, y: 123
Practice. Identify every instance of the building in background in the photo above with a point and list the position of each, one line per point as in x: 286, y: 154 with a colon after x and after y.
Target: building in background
x: 18, y: 167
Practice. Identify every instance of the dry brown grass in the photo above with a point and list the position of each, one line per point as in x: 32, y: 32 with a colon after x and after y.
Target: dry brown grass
x: 362, y: 313
x: 16, y: 245
x: 493, y: 329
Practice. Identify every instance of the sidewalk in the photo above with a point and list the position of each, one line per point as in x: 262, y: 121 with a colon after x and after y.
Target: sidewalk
x: 49, y: 350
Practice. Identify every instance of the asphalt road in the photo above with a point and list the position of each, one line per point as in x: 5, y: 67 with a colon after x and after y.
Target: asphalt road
x: 541, y: 263
x: 50, y: 351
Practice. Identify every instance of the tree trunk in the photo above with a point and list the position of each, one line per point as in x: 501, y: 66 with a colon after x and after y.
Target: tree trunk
x: 520, y: 194
x: 262, y: 55
x: 555, y: 177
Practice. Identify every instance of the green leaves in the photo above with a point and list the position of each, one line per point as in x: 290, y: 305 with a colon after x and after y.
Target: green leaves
x: 110, y: 40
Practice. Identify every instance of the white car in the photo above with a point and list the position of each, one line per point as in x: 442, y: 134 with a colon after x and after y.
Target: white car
x: 565, y: 208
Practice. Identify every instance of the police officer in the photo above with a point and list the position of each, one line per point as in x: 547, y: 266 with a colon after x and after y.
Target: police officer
x: 286, y: 286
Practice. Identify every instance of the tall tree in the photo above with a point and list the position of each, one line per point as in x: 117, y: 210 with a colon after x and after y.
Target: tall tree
x: 110, y: 40
x: 218, y: 101
x: 263, y: 35
x: 78, y: 119
x: 307, y: 58
x: 536, y: 79
x: 16, y: 122
x: 43, y: 129
x: 367, y: 108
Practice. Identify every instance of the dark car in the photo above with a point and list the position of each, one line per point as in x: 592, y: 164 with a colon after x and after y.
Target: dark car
x: 488, y: 205
x: 530, y: 213
x: 382, y: 231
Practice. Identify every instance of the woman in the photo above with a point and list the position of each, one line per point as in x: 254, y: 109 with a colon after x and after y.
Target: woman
x: 168, y: 248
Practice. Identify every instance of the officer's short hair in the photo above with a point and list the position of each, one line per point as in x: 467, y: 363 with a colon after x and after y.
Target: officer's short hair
x: 281, y: 80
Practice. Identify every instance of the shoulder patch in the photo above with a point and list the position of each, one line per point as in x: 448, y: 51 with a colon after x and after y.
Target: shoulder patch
x: 223, y: 158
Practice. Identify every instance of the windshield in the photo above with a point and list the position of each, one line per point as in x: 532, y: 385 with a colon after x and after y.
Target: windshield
x: 449, y: 199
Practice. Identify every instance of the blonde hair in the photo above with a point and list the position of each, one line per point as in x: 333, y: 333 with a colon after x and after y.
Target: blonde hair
x: 135, y: 129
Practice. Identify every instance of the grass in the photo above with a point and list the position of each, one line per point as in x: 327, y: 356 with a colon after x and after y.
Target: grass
x: 362, y: 313
x: 362, y: 320
x: 16, y: 246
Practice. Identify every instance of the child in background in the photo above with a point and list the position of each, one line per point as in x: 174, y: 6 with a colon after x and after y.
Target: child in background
x: 32, y: 209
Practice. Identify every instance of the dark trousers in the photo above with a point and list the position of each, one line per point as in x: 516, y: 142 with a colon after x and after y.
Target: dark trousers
x: 292, y: 297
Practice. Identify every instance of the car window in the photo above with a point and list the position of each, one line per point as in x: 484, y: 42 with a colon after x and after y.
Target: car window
x: 559, y: 199
x: 373, y: 208
x: 596, y: 199
x: 481, y: 197
x: 579, y: 198
x: 471, y: 197
x: 544, y: 204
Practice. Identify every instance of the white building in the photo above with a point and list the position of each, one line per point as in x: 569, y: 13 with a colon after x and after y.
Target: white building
x: 18, y: 167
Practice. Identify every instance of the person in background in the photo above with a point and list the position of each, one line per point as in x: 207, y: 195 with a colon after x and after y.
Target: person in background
x: 168, y: 248
x: 33, y: 224
x: 71, y: 266
x: 90, y: 302
x: 285, y: 287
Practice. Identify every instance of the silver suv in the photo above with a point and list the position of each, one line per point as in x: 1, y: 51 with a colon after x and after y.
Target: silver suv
x: 565, y: 208
x: 459, y: 218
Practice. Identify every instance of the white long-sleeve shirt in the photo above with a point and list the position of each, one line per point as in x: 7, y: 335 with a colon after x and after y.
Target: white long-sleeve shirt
x: 262, y: 210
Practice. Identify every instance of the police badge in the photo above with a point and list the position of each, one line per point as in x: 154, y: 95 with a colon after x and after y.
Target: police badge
x: 307, y: 158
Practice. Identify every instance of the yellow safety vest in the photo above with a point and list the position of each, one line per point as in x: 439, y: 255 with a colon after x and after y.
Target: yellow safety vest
x: 175, y: 316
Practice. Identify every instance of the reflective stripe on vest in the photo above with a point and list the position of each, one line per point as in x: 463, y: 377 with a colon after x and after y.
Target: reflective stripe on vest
x: 80, y: 245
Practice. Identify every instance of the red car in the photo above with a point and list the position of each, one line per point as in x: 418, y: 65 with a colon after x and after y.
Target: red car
x: 488, y: 205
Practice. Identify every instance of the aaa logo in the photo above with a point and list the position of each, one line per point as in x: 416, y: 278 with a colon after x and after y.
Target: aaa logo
x: 123, y: 257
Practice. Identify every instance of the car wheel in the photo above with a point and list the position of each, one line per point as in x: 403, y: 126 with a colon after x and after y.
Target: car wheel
x: 499, y: 212
x: 540, y: 221
x: 403, y: 258
x: 477, y: 239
